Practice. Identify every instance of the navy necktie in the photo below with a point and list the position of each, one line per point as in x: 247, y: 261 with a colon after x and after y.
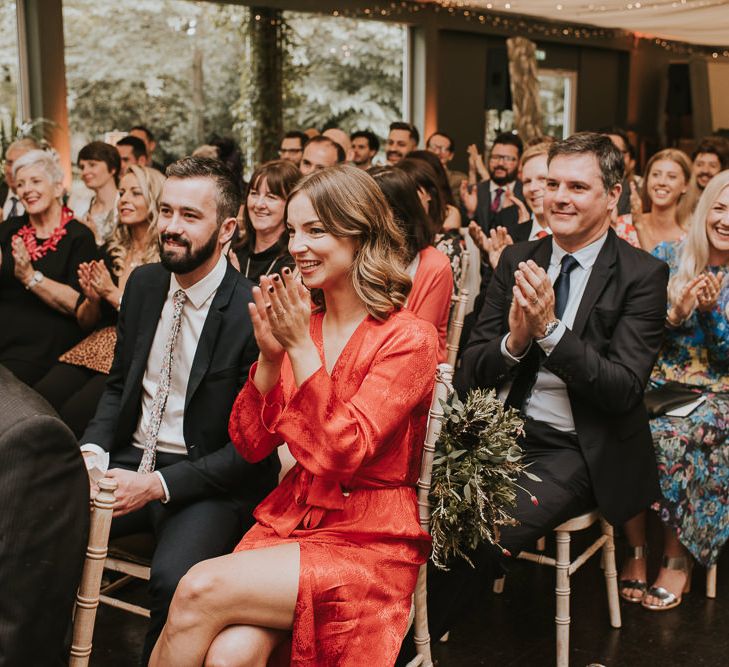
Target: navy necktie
x: 14, y: 208
x: 562, y: 285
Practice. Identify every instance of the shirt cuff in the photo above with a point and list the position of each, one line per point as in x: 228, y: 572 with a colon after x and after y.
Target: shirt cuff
x: 166, y: 499
x: 548, y: 343
x: 510, y: 359
x: 93, y: 448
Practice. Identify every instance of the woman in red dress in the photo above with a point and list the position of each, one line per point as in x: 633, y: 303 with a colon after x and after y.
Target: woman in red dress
x: 333, y: 558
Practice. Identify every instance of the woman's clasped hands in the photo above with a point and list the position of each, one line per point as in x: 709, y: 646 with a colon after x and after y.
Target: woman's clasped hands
x: 701, y: 293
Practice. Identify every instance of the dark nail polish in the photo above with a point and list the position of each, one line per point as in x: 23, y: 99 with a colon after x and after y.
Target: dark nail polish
x: 276, y: 278
x: 287, y: 271
x: 270, y: 289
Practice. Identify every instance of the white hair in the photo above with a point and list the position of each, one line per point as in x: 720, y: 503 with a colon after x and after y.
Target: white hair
x: 45, y: 159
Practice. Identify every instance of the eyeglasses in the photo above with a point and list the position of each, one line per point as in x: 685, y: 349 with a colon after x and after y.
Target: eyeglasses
x: 289, y: 151
x: 438, y: 149
x: 509, y: 159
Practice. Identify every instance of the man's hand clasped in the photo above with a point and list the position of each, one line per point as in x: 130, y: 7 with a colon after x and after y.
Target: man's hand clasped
x: 532, y: 307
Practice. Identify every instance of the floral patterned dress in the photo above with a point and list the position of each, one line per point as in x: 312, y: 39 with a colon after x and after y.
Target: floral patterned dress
x: 693, y: 451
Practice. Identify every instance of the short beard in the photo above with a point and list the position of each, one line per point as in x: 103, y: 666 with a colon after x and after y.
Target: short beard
x: 191, y: 260
x: 503, y: 180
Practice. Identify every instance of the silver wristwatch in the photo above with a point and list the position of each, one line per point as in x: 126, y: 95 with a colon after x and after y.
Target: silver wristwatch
x: 35, y: 280
x: 550, y: 329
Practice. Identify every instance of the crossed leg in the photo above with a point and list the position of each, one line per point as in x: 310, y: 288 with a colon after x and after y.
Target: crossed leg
x: 235, y: 607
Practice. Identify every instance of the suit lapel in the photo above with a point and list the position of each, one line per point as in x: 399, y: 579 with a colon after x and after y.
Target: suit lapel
x: 155, y: 293
x: 600, y: 275
x: 209, y: 335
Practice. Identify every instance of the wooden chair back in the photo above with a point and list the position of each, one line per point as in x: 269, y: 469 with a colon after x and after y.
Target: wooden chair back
x: 458, y: 312
x: 87, y: 598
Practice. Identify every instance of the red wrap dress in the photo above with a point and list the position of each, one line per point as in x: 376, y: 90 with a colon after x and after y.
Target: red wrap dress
x: 350, y: 502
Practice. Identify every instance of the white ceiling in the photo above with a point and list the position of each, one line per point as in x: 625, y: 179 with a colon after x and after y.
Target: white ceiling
x: 696, y: 21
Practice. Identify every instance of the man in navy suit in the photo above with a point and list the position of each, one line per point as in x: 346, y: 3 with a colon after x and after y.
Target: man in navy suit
x: 184, y: 347
x: 490, y: 204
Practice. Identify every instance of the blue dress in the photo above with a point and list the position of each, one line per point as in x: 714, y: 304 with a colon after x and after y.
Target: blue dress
x: 693, y: 451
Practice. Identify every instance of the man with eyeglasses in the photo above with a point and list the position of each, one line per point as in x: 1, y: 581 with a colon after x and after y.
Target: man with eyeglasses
x: 491, y: 197
x: 292, y: 146
x: 442, y: 145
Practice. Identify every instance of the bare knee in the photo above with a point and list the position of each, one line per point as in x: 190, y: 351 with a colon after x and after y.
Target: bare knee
x: 238, y: 650
x: 194, y: 598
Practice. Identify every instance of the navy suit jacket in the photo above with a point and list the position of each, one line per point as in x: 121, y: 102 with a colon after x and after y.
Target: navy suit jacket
x: 224, y: 355
x: 605, y: 360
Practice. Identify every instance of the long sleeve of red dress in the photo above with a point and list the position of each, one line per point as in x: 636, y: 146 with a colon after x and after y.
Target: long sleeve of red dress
x: 430, y: 297
x: 357, y: 435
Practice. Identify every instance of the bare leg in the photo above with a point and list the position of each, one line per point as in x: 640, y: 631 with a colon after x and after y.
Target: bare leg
x: 634, y: 568
x: 243, y: 646
x: 672, y: 580
x: 257, y: 588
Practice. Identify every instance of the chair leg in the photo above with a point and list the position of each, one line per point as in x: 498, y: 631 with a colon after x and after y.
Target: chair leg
x: 711, y: 582
x: 562, y: 591
x: 541, y: 544
x: 611, y: 575
x: 499, y: 585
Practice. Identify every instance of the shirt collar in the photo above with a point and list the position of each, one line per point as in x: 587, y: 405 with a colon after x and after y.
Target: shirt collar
x: 505, y: 187
x: 536, y: 228
x: 585, y: 257
x: 204, y: 288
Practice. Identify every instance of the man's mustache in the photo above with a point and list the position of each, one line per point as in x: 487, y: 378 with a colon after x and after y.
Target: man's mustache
x: 175, y: 238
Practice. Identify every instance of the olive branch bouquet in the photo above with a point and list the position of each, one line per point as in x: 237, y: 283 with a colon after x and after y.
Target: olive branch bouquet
x: 475, y: 470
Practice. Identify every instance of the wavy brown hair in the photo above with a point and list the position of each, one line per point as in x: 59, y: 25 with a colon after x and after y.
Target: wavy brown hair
x: 350, y: 204
x: 120, y: 244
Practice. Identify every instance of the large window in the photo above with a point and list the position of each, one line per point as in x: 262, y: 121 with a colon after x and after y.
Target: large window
x: 8, y: 73
x: 179, y: 67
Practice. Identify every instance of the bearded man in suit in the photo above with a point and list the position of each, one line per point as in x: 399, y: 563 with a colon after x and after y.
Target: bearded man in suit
x: 184, y: 347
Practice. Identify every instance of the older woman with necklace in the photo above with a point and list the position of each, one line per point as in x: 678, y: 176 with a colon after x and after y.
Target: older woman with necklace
x: 40, y: 253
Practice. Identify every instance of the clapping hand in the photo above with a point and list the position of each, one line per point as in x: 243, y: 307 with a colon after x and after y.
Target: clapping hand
x: 513, y: 200
x: 493, y: 244
x: 709, y: 293
x: 23, y: 267
x: 84, y: 281
x: 476, y: 163
x: 687, y: 300
x: 101, y: 279
x: 469, y: 198
x: 534, y: 295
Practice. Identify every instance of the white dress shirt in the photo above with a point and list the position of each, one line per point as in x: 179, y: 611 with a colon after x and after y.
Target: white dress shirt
x: 171, y: 438
x: 548, y: 401
x: 8, y: 205
x: 536, y: 228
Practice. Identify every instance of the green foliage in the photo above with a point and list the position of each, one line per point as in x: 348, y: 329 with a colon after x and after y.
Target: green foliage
x: 475, y: 471
x: 344, y: 72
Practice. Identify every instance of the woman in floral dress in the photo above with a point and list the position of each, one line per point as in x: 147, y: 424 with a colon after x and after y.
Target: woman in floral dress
x: 692, y: 452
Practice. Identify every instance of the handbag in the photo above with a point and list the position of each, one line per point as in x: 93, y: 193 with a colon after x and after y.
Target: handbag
x: 95, y: 352
x: 666, y: 397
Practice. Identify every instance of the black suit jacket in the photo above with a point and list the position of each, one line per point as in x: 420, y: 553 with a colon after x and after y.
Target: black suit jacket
x: 485, y: 217
x: 605, y: 361
x: 224, y: 354
x: 44, y: 525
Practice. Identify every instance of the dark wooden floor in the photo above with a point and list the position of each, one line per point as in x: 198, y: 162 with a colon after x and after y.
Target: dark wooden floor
x: 516, y: 629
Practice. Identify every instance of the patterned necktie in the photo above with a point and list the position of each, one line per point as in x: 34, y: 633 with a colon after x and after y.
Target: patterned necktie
x: 496, y: 201
x: 163, y: 388
x: 541, y: 234
x: 14, y: 208
x: 562, y: 285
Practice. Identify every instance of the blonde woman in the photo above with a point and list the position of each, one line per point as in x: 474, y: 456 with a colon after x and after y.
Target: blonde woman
x: 665, y: 204
x: 75, y: 384
x: 333, y: 558
x: 692, y: 451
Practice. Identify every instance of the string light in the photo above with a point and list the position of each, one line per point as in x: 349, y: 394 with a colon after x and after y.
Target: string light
x: 523, y: 25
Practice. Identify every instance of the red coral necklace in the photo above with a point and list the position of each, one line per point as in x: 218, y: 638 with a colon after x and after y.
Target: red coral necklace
x: 27, y: 233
